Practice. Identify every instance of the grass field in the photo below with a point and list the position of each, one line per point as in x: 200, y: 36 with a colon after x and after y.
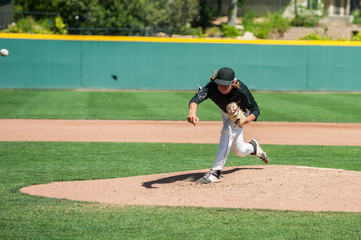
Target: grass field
x: 161, y: 105
x: 27, y: 163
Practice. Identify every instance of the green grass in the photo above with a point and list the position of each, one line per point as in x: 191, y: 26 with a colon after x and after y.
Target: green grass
x: 310, y: 107
x: 29, y: 217
x: 26, y: 163
x: 172, y: 105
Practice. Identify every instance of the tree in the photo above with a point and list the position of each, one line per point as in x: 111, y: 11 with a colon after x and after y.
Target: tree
x: 206, y: 14
x: 233, y: 10
x: 171, y: 15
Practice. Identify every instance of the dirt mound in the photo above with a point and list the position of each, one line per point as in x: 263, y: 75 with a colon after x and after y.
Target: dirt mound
x: 263, y: 187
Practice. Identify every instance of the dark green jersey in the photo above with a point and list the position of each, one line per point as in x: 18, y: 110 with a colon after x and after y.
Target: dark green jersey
x: 242, y: 96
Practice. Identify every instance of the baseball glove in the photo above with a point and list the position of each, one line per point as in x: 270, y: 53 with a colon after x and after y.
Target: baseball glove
x: 235, y: 114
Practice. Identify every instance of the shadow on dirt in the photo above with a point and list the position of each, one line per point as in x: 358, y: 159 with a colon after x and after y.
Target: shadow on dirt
x: 189, y: 177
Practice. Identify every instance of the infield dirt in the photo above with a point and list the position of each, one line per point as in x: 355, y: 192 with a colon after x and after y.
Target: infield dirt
x: 284, y: 133
x: 263, y: 186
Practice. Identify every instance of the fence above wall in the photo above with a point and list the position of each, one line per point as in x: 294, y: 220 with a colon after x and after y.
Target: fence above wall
x: 102, y: 62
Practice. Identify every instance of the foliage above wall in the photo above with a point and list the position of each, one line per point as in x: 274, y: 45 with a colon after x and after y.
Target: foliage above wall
x: 156, y: 18
x: 42, y: 26
x: 261, y: 28
x: 112, y: 14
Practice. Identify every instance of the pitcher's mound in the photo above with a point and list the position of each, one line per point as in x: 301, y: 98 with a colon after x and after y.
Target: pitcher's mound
x: 263, y: 187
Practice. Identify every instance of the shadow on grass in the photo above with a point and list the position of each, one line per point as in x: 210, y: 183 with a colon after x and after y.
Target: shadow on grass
x: 190, y: 177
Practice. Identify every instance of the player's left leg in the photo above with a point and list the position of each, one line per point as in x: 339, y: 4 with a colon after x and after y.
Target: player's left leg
x: 225, y: 143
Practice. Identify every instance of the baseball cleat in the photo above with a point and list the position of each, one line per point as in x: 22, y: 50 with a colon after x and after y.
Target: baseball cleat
x: 211, y: 177
x: 258, y: 152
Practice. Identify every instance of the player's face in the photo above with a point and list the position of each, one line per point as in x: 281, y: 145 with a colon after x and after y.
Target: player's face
x: 225, y: 89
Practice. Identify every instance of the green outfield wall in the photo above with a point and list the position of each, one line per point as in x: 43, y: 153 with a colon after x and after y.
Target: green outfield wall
x: 101, y: 62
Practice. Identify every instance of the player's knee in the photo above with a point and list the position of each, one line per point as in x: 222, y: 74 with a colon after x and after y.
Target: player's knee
x: 240, y: 150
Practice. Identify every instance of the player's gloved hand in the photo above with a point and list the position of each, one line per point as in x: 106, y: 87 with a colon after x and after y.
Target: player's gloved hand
x: 236, y: 114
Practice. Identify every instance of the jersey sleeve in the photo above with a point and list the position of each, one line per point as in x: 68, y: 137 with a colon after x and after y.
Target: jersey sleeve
x: 254, y: 108
x: 201, y: 94
x: 252, y: 105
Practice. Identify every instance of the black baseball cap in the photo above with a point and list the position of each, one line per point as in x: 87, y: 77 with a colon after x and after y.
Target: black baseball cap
x: 225, y: 76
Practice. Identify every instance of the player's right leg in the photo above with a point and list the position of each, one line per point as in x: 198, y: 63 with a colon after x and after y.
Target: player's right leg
x: 239, y: 147
x: 258, y: 152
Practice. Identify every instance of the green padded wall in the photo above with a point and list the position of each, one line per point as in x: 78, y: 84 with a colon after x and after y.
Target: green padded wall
x: 53, y: 62
x: 40, y: 64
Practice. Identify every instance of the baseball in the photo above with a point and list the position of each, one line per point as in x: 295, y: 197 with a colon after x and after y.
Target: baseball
x: 4, y: 52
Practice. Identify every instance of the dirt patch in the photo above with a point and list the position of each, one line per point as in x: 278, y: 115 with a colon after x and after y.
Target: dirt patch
x: 284, y: 133
x: 264, y: 187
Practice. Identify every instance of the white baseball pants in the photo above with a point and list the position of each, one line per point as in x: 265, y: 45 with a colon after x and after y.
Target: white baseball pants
x: 231, y: 139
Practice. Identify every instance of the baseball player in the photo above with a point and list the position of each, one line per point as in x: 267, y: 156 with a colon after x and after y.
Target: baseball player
x: 238, y: 107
